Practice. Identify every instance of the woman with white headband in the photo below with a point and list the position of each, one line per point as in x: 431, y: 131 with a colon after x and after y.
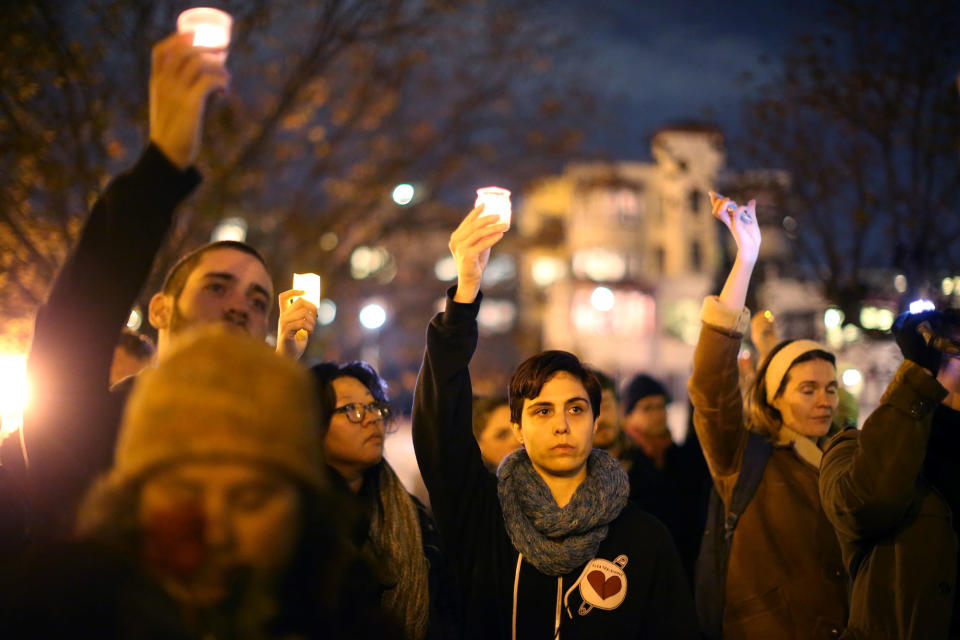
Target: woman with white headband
x: 784, y: 575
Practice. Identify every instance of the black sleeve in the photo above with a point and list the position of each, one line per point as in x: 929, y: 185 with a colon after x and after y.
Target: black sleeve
x: 463, y: 494
x: 69, y: 431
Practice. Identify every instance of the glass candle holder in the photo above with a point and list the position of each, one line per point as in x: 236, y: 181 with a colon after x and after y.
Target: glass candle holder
x: 496, y: 201
x: 210, y: 28
x: 309, y: 283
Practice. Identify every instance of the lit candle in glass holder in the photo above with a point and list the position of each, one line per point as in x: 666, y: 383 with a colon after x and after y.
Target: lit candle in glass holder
x: 496, y: 201
x: 309, y: 283
x: 210, y: 27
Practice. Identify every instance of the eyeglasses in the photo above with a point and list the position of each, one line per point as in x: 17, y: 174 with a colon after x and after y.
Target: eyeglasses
x: 357, y: 412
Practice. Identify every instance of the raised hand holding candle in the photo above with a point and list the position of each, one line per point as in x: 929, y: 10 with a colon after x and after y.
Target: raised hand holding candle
x: 496, y: 201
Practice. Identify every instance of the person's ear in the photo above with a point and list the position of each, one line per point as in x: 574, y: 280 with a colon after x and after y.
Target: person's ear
x: 160, y: 310
x: 516, y: 432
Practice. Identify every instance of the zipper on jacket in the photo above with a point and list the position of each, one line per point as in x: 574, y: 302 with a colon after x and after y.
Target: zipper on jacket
x: 516, y: 583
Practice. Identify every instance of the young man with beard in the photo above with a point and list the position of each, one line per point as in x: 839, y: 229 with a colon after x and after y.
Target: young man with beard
x: 70, y: 429
x: 551, y: 547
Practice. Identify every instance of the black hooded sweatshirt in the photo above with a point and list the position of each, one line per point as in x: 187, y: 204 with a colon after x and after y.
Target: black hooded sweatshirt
x: 633, y: 588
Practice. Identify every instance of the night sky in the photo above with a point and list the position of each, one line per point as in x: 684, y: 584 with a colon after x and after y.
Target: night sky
x: 650, y: 63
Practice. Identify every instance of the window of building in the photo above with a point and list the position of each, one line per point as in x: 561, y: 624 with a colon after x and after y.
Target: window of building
x: 693, y: 198
x: 660, y: 260
x: 696, y: 259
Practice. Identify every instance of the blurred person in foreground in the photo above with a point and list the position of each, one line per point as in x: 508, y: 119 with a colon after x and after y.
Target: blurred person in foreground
x: 892, y: 490
x: 550, y: 547
x: 784, y: 575
x: 667, y: 479
x: 493, y: 430
x: 70, y: 432
x: 395, y: 531
x: 214, y: 520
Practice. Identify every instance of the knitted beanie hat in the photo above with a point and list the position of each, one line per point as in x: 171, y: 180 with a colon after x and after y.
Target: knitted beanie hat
x: 641, y: 387
x: 220, y: 395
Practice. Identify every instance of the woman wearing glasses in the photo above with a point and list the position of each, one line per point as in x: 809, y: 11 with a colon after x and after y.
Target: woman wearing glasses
x: 395, y: 531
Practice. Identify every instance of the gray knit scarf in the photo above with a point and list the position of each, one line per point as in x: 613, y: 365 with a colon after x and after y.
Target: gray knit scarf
x: 396, y: 534
x: 556, y: 541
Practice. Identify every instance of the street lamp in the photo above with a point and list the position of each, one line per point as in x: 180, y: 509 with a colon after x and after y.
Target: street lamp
x: 373, y: 316
x: 403, y: 194
x: 602, y: 299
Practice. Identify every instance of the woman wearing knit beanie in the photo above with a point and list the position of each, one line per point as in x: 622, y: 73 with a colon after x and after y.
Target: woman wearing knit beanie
x: 215, y: 520
x: 785, y: 575
x: 394, y: 531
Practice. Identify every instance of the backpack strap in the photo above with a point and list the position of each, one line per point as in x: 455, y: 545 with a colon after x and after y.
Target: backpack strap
x: 751, y: 472
x: 711, y: 572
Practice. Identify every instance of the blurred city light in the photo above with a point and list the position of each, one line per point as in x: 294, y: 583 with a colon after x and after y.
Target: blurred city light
x: 851, y: 333
x: 832, y: 318
x: 135, y: 319
x: 599, y: 265
x: 876, y: 318
x: 367, y: 261
x: 329, y: 241
x: 947, y: 286
x: 446, y: 269
x: 230, y: 229
x: 602, y: 299
x: 919, y: 306
x: 373, y: 316
x: 885, y: 319
x: 326, y: 311
x: 546, y: 270
x: 403, y: 194
x: 851, y: 377
x: 900, y: 283
x: 14, y: 391
x: 853, y: 380
x: 501, y: 268
x: 497, y: 316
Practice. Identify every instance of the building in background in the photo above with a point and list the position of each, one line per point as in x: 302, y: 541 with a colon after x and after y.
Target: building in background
x: 618, y: 256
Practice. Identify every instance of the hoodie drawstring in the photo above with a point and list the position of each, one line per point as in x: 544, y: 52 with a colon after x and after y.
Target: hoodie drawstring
x: 516, y: 584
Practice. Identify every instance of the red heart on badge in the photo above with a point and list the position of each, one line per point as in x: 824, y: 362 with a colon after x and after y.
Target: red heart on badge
x: 605, y: 587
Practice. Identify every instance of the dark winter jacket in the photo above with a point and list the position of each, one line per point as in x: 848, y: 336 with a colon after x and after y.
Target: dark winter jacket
x: 677, y: 494
x: 894, y: 527
x: 785, y: 576
x: 70, y: 431
x: 504, y: 595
